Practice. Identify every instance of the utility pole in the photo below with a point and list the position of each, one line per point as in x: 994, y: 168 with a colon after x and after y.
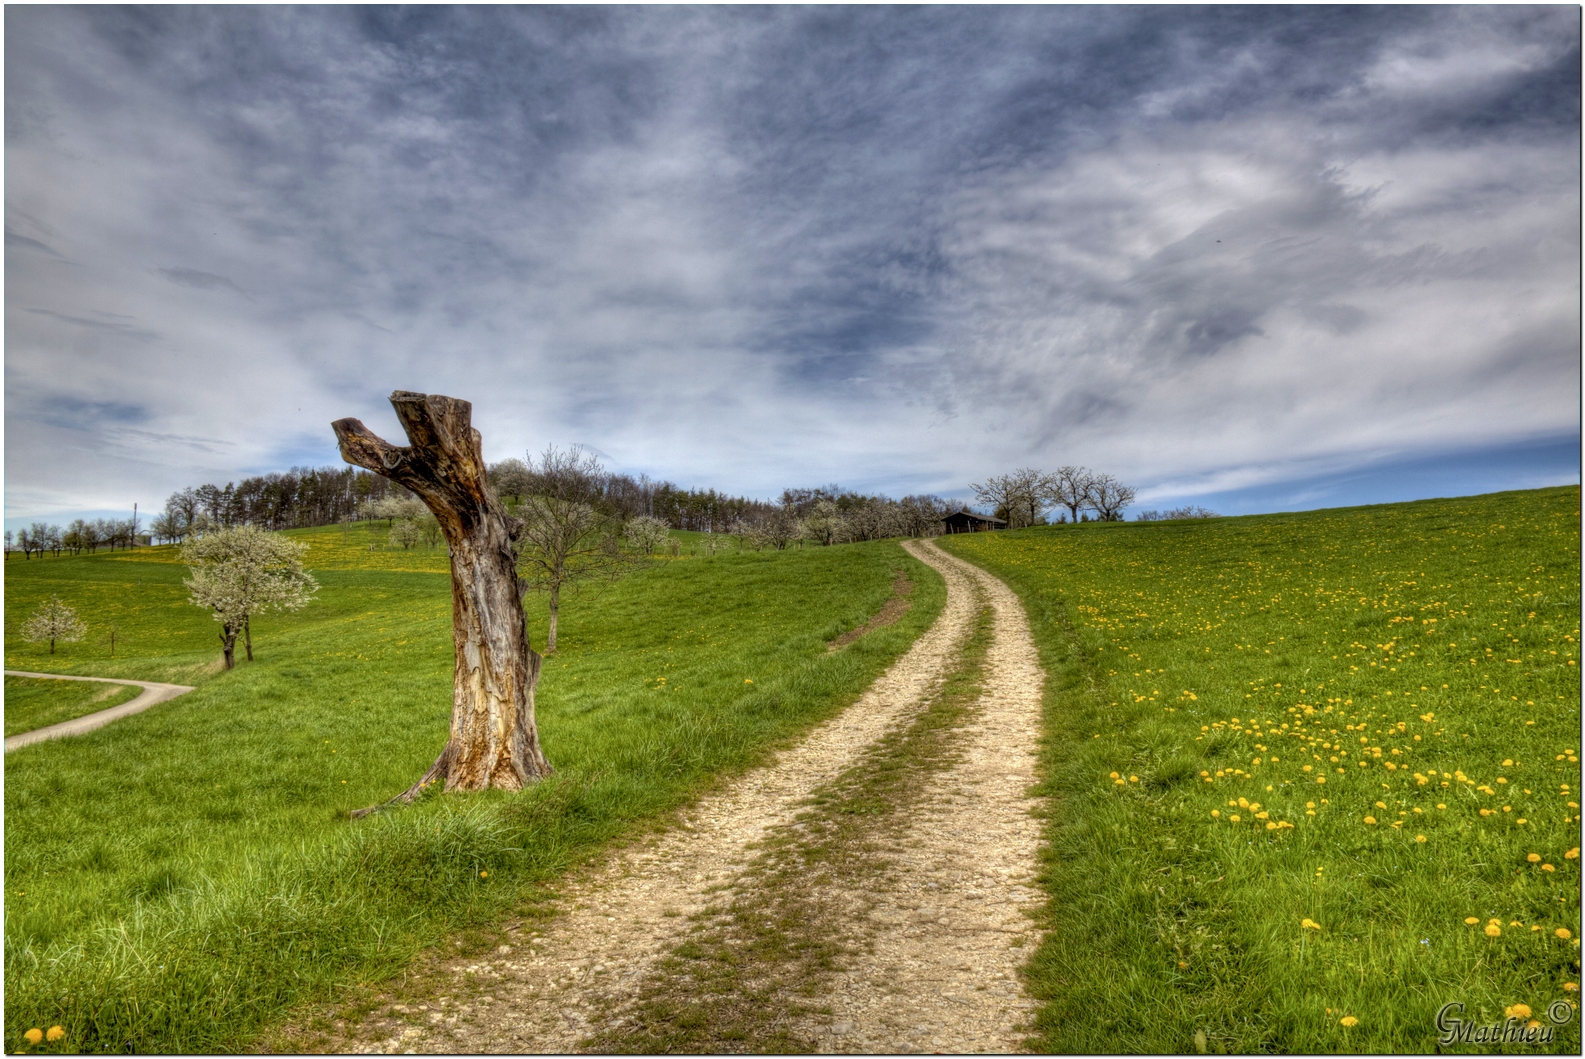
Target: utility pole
x: 134, y: 524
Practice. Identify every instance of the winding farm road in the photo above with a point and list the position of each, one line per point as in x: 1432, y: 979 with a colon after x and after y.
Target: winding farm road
x: 936, y: 938
x: 153, y: 694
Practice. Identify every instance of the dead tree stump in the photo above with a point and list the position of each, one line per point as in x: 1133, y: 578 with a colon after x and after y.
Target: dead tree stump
x: 494, y: 742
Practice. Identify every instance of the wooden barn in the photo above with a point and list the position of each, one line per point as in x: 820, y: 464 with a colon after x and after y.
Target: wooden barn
x: 969, y: 522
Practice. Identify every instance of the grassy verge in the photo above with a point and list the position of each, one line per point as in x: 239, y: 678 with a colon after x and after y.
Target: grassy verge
x: 749, y: 970
x: 1312, y: 776
x: 32, y: 703
x: 176, y: 881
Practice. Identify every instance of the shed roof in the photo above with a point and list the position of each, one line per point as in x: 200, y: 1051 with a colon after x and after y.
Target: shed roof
x: 972, y: 515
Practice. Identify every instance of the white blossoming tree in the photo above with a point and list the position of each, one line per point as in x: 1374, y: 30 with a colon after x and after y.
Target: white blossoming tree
x: 646, y: 534
x: 240, y: 572
x: 54, y: 620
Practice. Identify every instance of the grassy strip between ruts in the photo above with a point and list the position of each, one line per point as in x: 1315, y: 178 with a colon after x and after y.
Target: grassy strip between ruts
x: 750, y: 969
x: 1313, y: 776
x: 34, y: 703
x: 176, y: 881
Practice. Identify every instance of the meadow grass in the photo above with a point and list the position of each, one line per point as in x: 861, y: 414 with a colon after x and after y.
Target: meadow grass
x: 1312, y: 776
x: 32, y: 703
x: 178, y: 880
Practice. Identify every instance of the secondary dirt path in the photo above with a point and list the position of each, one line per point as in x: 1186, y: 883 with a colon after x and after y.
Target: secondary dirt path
x: 935, y: 938
x: 153, y: 694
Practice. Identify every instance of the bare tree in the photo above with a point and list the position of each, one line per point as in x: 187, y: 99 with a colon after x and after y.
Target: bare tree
x: 1021, y: 494
x: 1069, y: 486
x: 39, y: 533
x: 1108, y: 497
x: 777, y: 529
x: 429, y: 530
x: 54, y: 620
x: 494, y: 741
x: 237, y: 573
x: 565, y: 538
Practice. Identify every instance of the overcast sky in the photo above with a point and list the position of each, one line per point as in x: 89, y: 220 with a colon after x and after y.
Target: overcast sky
x: 1225, y: 254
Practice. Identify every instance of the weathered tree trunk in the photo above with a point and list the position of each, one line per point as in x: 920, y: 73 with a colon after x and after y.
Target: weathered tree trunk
x: 494, y: 742
x: 228, y: 645
x: 247, y: 636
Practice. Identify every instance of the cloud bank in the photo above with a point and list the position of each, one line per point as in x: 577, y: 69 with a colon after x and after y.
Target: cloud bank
x: 1205, y: 249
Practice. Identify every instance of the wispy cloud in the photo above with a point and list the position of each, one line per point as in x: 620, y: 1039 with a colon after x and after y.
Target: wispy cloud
x: 899, y: 248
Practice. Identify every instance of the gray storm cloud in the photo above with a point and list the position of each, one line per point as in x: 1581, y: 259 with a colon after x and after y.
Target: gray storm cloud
x: 755, y: 248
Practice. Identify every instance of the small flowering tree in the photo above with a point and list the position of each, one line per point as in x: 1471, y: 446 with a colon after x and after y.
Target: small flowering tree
x: 53, y: 621
x: 646, y: 534
x: 406, y: 533
x: 245, y: 571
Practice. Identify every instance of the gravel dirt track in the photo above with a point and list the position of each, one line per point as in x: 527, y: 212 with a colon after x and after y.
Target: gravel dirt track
x: 940, y: 934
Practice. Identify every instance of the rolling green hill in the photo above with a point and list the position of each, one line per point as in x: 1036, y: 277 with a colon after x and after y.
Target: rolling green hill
x: 176, y: 880
x: 1312, y: 775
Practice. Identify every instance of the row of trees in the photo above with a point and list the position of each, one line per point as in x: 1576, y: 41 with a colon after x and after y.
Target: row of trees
x: 81, y: 535
x: 626, y: 497
x: 1022, y: 497
x: 1175, y: 513
x: 298, y: 498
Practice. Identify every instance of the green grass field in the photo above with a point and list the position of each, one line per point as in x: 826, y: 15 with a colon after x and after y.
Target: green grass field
x: 32, y: 703
x: 178, y: 880
x: 1312, y: 775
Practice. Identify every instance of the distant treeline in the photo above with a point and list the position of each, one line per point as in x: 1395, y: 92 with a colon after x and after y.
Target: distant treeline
x: 81, y: 535
x: 306, y: 496
x: 300, y: 497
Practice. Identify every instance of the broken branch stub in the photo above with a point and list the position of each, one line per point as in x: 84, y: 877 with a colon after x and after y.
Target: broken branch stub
x: 494, y: 741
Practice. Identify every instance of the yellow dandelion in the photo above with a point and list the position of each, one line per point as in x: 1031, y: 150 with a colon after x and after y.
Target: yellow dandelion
x: 1562, y: 932
x: 34, y: 1035
x: 1533, y: 858
x: 484, y: 875
x: 1216, y: 812
x: 1133, y: 779
x: 55, y: 1033
x: 1309, y: 924
x: 1493, y: 930
x: 1112, y: 775
x: 1571, y: 987
x: 1370, y: 819
x: 1471, y: 920
x: 1547, y: 867
x: 1517, y: 1011
x: 1234, y: 818
x: 1349, y: 1020
x: 1381, y: 805
x: 1572, y: 854
x: 1440, y: 805
x: 1419, y: 838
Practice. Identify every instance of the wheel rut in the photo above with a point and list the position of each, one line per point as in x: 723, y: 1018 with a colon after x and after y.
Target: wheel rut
x: 910, y: 937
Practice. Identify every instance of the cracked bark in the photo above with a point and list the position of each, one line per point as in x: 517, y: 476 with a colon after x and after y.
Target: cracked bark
x: 493, y: 741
